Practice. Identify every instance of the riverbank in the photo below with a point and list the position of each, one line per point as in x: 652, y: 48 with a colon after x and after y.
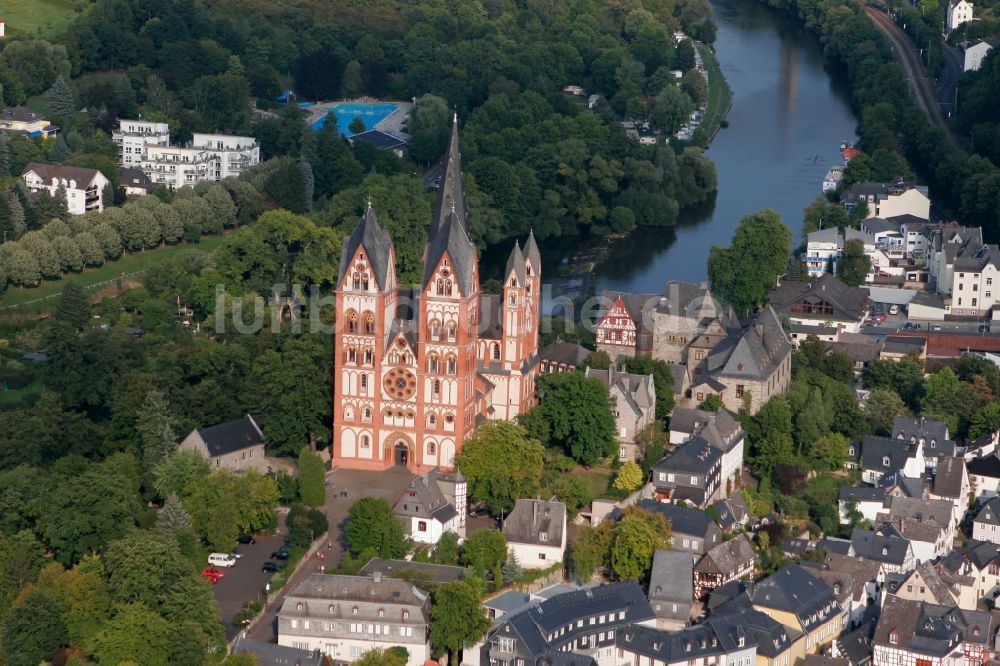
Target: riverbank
x: 720, y: 96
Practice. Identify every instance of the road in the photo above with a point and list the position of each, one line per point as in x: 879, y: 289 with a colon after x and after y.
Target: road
x: 916, y: 75
x: 954, y: 64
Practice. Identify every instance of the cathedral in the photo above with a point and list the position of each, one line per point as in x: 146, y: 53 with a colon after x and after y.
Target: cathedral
x: 417, y: 369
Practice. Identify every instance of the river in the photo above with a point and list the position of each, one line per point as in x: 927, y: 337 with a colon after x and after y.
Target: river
x: 790, y: 113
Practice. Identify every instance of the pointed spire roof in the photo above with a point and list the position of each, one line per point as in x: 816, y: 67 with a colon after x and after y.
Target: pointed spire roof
x: 447, y: 232
x: 370, y: 236
x: 515, y: 263
x: 532, y: 254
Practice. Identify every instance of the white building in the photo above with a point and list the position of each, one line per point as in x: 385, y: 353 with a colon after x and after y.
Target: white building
x: 132, y: 137
x: 887, y: 200
x: 959, y: 12
x: 84, y: 187
x: 974, y: 54
x: 434, y: 503
x: 536, y: 532
x: 824, y: 248
x: 833, y: 178
x: 178, y: 167
x: 235, y: 154
x: 345, y: 616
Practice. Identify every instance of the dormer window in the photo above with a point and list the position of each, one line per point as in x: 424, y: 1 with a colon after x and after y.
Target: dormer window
x: 354, y: 611
x: 298, y: 606
x: 381, y: 612
x: 332, y: 608
x: 543, y: 536
x: 885, y: 461
x: 894, y: 637
x: 406, y: 615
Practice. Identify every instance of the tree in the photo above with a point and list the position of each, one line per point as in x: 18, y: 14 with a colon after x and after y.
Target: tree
x: 136, y: 634
x: 636, y: 537
x: 854, y: 264
x: 882, y: 406
x: 485, y: 550
x: 693, y: 83
x: 986, y: 421
x: 179, y: 472
x: 60, y: 150
x: 598, y: 360
x: 308, y: 181
x: 684, y: 56
x: 73, y: 308
x: 578, y: 412
x: 20, y: 265
x: 456, y: 618
x: 671, y: 109
x: 305, y: 525
x: 428, y: 128
x: 373, y: 527
x: 711, y: 403
x: 905, y: 377
x: 357, y: 126
x: 145, y: 567
x: 770, y: 435
x: 61, y: 103
x: 81, y: 594
x: 224, y: 505
x: 630, y: 477
x: 90, y: 250
x: 312, y: 477
x: 157, y: 428
x: 379, y: 656
x: 33, y: 630
x: 590, y: 550
x: 830, y: 450
x: 446, y: 550
x: 172, y: 517
x: 499, y: 486
x: 745, y: 272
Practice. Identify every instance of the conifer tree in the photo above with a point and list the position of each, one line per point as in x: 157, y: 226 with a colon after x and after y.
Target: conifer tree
x: 172, y: 517
x: 5, y: 156
x: 60, y: 100
x: 73, y: 308
x: 308, y: 184
x: 60, y: 150
x: 157, y: 428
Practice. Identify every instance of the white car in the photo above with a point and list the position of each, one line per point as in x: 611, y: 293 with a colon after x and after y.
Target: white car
x: 222, y: 560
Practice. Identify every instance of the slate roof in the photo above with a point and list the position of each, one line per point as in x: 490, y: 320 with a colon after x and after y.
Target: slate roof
x: 794, y: 590
x: 894, y: 483
x: 878, y: 224
x: 695, y: 456
x: 447, y: 233
x: 532, y: 254
x: 874, y: 451
x: 83, y: 176
x: 862, y: 494
x: 423, y: 498
x: 988, y: 466
x: 231, y: 436
x: 905, y: 427
x: 671, y: 582
x: 727, y: 557
x: 135, y: 178
x: 849, y: 303
x: 861, y: 571
x: 533, y: 517
x: 370, y: 236
x: 689, y: 420
x: 931, y: 512
x: 868, y: 544
x: 989, y: 514
x: 508, y: 602
x: 423, y: 573
x: 834, y: 546
x: 948, y: 476
x: 682, y: 519
x: 637, y: 390
x: 336, y: 587
x: 515, y: 265
x: 979, y: 553
x: 755, y: 352
x: 928, y: 628
x: 566, y: 353
x: 271, y: 654
x: 21, y: 114
x: 731, y: 511
x: 932, y: 580
x: 856, y: 646
x: 772, y: 637
x: 691, y: 643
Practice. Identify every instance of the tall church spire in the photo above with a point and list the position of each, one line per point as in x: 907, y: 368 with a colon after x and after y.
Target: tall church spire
x: 452, y: 195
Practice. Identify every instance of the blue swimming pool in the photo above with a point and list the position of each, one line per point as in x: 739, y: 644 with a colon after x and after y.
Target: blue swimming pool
x: 345, y: 112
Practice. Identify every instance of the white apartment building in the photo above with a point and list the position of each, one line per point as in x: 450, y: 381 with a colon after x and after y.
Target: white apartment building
x: 959, y: 12
x: 975, y: 282
x: 888, y: 200
x: 235, y: 154
x: 974, y: 54
x: 178, y: 167
x: 84, y: 187
x: 132, y: 137
x: 824, y: 248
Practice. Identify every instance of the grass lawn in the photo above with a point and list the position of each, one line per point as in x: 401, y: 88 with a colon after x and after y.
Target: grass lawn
x: 138, y: 261
x: 598, y: 479
x: 48, y: 17
x: 719, y: 94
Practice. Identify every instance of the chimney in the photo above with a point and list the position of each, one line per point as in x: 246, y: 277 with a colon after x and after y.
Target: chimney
x: 377, y: 577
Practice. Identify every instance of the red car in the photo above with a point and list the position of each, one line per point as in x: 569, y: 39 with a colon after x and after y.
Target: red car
x: 213, y: 575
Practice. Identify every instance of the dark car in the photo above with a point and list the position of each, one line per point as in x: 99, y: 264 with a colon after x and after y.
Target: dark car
x: 280, y: 554
x: 270, y: 567
x: 247, y: 539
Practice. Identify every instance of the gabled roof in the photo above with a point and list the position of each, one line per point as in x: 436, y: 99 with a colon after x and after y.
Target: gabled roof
x: 756, y: 352
x: 423, y: 499
x: 727, y: 557
x: 671, y: 581
x: 848, y: 303
x: 990, y: 513
x: 637, y: 390
x: 271, y: 654
x: 868, y: 544
x: 794, y: 590
x: 682, y: 519
x: 231, y: 436
x: 694, y: 456
x: 689, y: 645
x: 875, y: 451
x: 20, y: 114
x: 949, y: 476
x: 565, y: 353
x: 83, y: 176
x: 929, y: 629
x: 987, y: 466
x: 532, y: 518
x: 373, y: 239
x: 905, y: 427
x: 862, y: 494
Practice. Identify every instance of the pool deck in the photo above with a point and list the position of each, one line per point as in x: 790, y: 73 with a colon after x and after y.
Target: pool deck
x: 392, y: 123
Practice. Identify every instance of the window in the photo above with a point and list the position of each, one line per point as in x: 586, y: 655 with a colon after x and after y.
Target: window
x: 894, y: 637
x: 543, y: 536
x: 961, y: 286
x: 541, y: 556
x: 975, y: 287
x: 452, y: 331
x: 973, y: 301
x: 452, y: 365
x: 989, y: 280
x: 432, y: 363
x: 437, y: 388
x: 365, y: 441
x: 364, y: 383
x: 699, y: 396
x: 694, y: 480
x: 496, y: 352
x: 885, y: 461
x: 694, y: 543
x: 960, y: 301
x: 421, y: 527
x: 369, y: 323
x: 739, y: 390
x: 440, y: 287
x: 352, y: 355
x: 670, y: 477
x: 369, y: 357
x: 352, y: 322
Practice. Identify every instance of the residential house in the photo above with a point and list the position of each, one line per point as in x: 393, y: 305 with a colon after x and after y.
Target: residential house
x: 633, y: 399
x: 23, y: 120
x: 730, y: 560
x: 269, y: 654
x: 576, y: 627
x: 690, y: 529
x: 506, y: 603
x: 974, y: 54
x: 976, y: 568
x: 859, y: 586
x: 134, y: 183
x: 691, y: 473
x: 84, y: 188
x: 132, y: 137
x: 177, y: 167
x: 926, y: 583
x: 895, y: 553
x: 888, y: 200
x: 671, y: 587
x: 748, y: 368
x: 720, y: 429
x: 825, y: 247
x: 898, y: 347
x: 825, y: 300
x: 958, y: 12
x: 345, y: 616
x: 951, y: 483
x: 984, y: 475
x: 933, y: 435
x: 777, y: 645
x: 882, y: 455
x: 434, y: 503
x: 927, y: 524
x: 865, y: 500
x: 856, y: 646
x: 233, y: 154
x: 986, y: 524
x: 536, y: 532
x: 235, y: 445
x: 731, y: 513
x: 726, y: 641
x: 912, y: 633
x: 561, y: 356
x: 980, y: 447
x: 942, y: 245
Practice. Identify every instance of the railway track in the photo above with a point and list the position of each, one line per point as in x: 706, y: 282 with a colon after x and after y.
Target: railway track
x: 921, y: 89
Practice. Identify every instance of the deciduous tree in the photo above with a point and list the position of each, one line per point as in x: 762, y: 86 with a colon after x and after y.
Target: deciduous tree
x: 578, y: 412
x: 745, y: 272
x: 312, y: 477
x: 630, y: 477
x: 373, y: 527
x: 637, y: 535
x: 456, y: 619
x: 499, y: 486
x: 854, y: 264
x: 33, y: 630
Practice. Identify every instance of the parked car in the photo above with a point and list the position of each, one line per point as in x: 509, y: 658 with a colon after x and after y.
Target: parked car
x: 247, y: 539
x: 236, y: 553
x: 281, y: 553
x: 935, y: 327
x: 270, y: 567
x: 213, y: 575
x: 984, y: 328
x: 893, y: 309
x: 222, y: 559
